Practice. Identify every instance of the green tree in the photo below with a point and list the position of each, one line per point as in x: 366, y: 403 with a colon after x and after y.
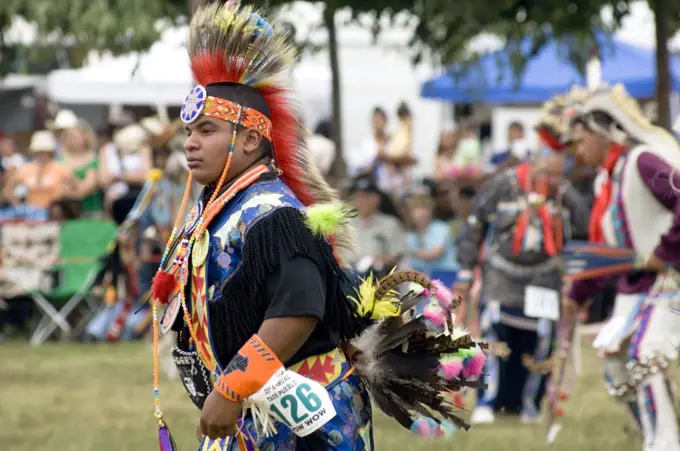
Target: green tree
x: 572, y: 23
x: 117, y: 26
x: 330, y: 21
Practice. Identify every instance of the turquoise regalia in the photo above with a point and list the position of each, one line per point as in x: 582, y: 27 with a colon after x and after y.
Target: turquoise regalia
x: 216, y: 263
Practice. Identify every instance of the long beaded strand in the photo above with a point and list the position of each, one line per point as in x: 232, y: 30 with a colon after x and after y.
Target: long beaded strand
x: 156, y: 395
x: 178, y: 219
x: 200, y: 229
x: 154, y: 304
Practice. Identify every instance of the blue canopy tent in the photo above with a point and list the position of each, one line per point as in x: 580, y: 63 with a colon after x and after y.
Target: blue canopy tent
x: 491, y: 79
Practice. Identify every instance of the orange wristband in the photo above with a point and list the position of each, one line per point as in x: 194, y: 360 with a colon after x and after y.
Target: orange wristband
x: 248, y: 371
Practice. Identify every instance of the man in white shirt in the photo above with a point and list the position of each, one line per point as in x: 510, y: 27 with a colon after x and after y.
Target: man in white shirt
x: 518, y: 148
x: 365, y: 161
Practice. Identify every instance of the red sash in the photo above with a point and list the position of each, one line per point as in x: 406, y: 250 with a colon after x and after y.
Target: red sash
x: 552, y: 230
x: 602, y: 200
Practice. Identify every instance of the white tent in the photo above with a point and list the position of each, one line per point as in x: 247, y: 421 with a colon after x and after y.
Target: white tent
x: 162, y: 76
x: 159, y: 76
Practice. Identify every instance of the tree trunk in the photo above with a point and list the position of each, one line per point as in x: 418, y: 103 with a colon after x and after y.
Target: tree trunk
x: 339, y: 167
x: 663, y: 76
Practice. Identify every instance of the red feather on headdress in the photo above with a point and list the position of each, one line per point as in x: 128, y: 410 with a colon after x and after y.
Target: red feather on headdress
x: 210, y: 66
x: 230, y: 51
x: 286, y: 141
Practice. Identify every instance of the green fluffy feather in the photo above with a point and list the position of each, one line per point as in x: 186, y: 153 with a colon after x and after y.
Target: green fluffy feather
x: 326, y: 219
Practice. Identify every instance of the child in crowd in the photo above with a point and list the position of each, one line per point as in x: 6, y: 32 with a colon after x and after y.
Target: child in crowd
x: 430, y: 245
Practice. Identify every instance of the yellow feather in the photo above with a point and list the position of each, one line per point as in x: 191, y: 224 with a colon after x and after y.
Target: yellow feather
x: 377, y: 309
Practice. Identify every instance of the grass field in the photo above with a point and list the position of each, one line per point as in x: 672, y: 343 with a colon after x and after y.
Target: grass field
x: 99, y: 397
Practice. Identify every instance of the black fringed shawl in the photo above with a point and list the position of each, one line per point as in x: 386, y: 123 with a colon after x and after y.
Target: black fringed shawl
x: 240, y: 313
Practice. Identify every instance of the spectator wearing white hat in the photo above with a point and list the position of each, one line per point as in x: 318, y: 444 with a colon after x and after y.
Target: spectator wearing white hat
x: 124, y: 167
x: 63, y: 121
x: 43, y: 181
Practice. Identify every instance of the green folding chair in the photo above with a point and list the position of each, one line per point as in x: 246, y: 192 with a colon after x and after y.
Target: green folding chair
x: 82, y: 244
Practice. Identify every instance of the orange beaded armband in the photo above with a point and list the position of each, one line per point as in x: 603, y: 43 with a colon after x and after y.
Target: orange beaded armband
x: 248, y: 371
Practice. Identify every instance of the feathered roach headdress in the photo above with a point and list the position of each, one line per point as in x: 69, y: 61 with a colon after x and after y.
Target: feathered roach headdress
x: 240, y: 62
x: 550, y: 126
x: 233, y: 48
x: 626, y: 119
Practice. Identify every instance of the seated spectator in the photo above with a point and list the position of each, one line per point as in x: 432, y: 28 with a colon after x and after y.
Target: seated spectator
x: 381, y: 237
x: 124, y: 168
x: 43, y: 181
x: 80, y: 157
x: 430, y: 245
x: 10, y: 158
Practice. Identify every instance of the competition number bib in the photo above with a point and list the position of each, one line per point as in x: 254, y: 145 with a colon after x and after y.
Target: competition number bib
x: 542, y: 303
x: 300, y: 403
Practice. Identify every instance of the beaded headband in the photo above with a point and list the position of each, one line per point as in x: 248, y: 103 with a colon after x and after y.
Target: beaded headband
x: 198, y: 103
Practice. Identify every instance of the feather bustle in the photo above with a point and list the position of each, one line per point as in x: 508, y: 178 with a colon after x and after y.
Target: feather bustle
x: 409, y: 364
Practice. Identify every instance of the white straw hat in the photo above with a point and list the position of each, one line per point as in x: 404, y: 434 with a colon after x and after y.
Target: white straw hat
x: 131, y: 139
x: 65, y: 119
x: 43, y: 141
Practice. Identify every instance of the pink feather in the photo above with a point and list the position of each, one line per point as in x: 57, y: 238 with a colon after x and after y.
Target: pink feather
x: 450, y: 369
x: 443, y: 294
x: 473, y: 366
x: 435, y: 314
x: 422, y: 427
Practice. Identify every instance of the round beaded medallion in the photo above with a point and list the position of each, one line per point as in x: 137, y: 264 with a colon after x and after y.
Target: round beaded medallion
x: 193, y: 104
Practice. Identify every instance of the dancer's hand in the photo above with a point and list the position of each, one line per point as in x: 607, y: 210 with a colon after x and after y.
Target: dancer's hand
x: 219, y: 416
x: 573, y: 310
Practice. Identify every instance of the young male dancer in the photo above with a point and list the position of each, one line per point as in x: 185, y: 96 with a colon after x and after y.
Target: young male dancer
x: 254, y: 280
